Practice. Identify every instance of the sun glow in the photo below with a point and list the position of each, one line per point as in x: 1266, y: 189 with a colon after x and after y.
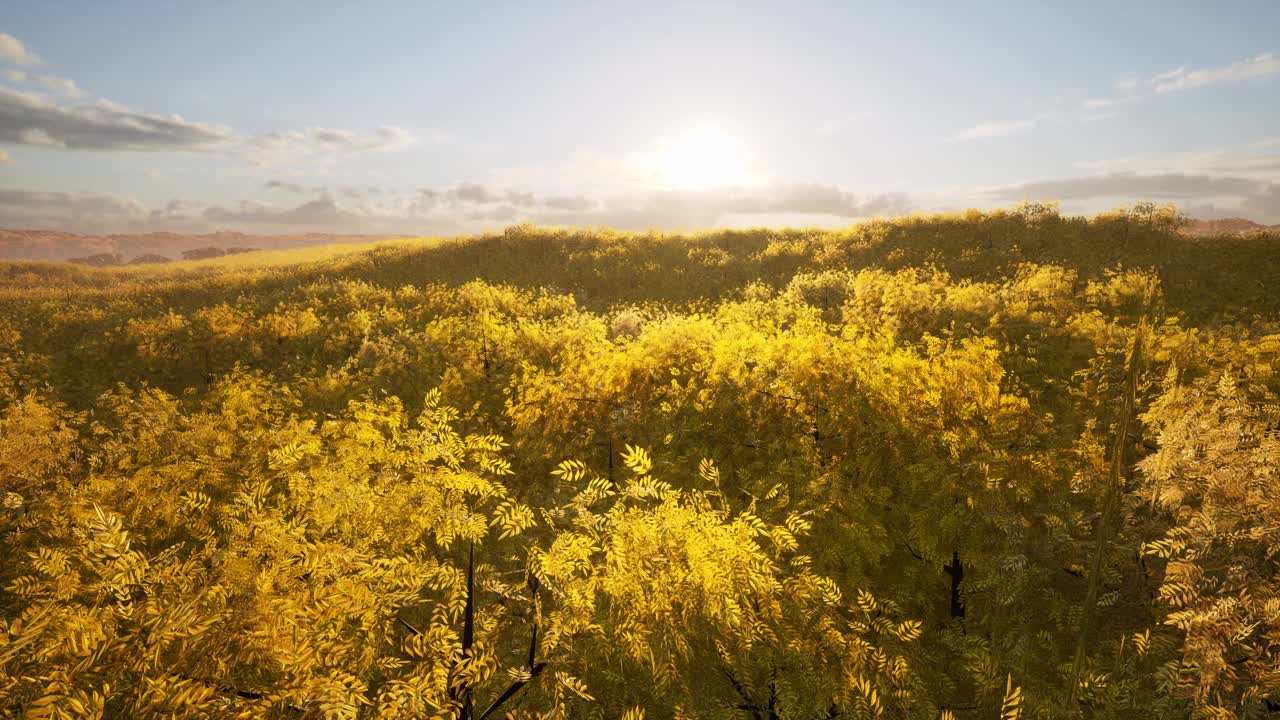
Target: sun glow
x: 700, y: 160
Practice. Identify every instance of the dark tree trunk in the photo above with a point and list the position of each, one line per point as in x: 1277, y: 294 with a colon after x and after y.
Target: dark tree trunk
x: 956, y: 571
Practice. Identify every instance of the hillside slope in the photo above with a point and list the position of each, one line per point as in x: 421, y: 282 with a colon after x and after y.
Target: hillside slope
x: 56, y: 246
x: 975, y: 463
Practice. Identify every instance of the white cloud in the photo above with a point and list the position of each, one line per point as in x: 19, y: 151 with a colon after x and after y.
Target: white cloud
x: 29, y: 117
x: 38, y: 137
x: 463, y: 208
x: 1243, y: 159
x: 1269, y: 164
x: 1105, y: 106
x: 1167, y: 185
x: 63, y: 86
x: 1127, y: 84
x: 60, y: 210
x: 1133, y: 88
x: 320, y: 213
x: 717, y: 207
x: 572, y: 203
x: 1264, y: 65
x: 177, y: 211
x: 12, y: 50
x: 1258, y: 199
x: 319, y: 143
x: 33, y: 119
x: 996, y: 129
x: 1168, y: 75
x: 294, y: 188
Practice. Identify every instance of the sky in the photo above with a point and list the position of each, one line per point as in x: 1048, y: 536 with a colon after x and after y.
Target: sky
x: 434, y: 118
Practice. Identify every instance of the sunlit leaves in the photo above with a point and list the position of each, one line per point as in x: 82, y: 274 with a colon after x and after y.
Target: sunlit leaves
x: 258, y: 494
x: 573, y: 685
x: 512, y: 518
x: 570, y: 470
x: 196, y: 501
x: 637, y: 459
x: 1215, y: 471
x: 708, y: 471
x: 288, y: 455
x: 1142, y: 642
x: 1011, y: 706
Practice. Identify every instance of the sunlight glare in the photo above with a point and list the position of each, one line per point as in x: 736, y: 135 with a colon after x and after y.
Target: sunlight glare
x: 701, y: 160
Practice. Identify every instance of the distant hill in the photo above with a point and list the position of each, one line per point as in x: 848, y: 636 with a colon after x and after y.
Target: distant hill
x: 149, y: 260
x: 1233, y: 226
x: 55, y: 246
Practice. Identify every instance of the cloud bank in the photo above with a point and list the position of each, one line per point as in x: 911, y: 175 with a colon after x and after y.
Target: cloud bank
x: 29, y: 117
x: 1259, y: 66
x: 465, y: 207
x: 1132, y: 89
x: 12, y: 50
x: 323, y: 143
x: 1203, y: 195
x: 996, y: 129
x: 32, y: 119
x: 67, y: 211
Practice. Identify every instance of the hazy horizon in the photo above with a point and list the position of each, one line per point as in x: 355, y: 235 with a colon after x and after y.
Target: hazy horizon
x: 407, y: 119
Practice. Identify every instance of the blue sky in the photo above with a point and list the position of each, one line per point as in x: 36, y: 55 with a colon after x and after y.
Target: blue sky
x: 413, y: 117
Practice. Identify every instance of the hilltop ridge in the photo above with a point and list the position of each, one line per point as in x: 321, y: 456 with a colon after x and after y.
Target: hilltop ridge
x: 1234, y: 225
x: 58, y: 246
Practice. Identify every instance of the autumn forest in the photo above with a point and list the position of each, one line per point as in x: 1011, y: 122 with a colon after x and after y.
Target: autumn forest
x: 990, y: 465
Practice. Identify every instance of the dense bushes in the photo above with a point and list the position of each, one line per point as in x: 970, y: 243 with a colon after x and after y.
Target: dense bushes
x: 964, y: 466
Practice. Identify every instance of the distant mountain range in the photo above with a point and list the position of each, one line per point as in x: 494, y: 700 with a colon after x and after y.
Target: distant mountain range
x: 55, y: 246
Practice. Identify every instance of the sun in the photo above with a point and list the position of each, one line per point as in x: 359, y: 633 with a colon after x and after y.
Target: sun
x: 700, y: 160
